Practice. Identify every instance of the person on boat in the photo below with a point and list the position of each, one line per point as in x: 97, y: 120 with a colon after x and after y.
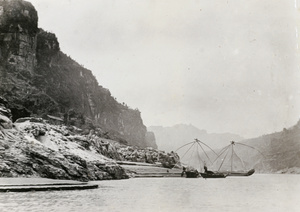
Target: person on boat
x: 183, y: 171
x: 207, y: 171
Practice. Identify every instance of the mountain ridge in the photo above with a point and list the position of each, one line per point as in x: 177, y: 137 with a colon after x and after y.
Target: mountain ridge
x: 276, y: 152
x: 171, y: 138
x: 280, y: 151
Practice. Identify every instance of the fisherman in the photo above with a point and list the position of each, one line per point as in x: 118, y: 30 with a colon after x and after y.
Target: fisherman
x: 183, y: 171
x: 205, y: 168
x: 207, y: 171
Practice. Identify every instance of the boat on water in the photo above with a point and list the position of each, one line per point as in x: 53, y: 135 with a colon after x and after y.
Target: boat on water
x: 209, y: 174
x: 192, y: 174
x: 240, y: 173
x: 190, y: 171
x: 232, y: 172
x: 213, y: 175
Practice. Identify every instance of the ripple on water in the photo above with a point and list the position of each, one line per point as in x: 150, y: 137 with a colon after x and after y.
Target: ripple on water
x: 258, y: 192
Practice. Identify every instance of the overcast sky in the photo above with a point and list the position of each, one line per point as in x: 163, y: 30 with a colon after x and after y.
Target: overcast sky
x: 224, y: 66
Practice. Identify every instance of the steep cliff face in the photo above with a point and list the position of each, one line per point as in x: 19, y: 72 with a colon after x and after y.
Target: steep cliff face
x: 18, y: 28
x: 76, y: 92
x: 38, y: 79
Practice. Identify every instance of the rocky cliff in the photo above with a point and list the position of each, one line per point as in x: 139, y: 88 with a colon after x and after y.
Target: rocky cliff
x: 32, y: 147
x: 38, y: 79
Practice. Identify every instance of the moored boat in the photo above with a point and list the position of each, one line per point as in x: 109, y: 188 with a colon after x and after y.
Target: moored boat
x: 232, y: 172
x: 241, y: 173
x: 192, y: 174
x: 213, y: 175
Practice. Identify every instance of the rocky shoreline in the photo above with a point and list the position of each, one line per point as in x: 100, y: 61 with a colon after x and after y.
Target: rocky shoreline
x: 32, y: 147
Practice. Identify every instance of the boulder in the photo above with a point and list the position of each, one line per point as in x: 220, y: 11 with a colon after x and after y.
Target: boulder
x: 5, y: 115
x: 5, y: 122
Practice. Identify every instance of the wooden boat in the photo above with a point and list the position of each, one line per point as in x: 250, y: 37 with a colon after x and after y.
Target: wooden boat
x: 213, y: 175
x: 240, y: 173
x: 232, y: 172
x: 190, y: 171
x: 192, y: 174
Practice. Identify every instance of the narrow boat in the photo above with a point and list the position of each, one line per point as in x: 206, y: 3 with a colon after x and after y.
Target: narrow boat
x: 192, y: 174
x: 241, y: 173
x: 232, y: 172
x: 190, y: 171
x: 195, y: 146
x: 213, y: 175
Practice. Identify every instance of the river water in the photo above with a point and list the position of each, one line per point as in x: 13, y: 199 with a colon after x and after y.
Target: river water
x: 259, y: 192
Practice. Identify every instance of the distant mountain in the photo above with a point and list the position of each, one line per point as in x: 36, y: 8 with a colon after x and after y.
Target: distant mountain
x: 278, y: 152
x: 171, y: 138
x: 281, y: 151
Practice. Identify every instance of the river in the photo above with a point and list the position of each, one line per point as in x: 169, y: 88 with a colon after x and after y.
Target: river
x: 259, y: 192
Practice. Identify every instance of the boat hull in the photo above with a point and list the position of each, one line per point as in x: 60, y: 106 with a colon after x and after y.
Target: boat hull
x: 192, y: 174
x: 214, y: 175
x: 237, y: 174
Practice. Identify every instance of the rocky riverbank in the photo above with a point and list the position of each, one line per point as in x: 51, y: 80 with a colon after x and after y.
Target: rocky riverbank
x: 32, y: 147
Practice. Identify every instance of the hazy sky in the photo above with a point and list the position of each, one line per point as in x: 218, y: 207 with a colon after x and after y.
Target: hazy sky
x: 224, y: 66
